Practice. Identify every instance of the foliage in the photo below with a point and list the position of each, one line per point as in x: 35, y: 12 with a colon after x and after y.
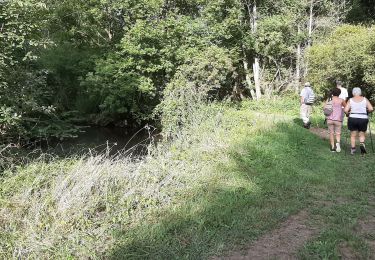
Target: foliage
x: 198, y: 80
x: 129, y: 82
x: 348, y: 54
x: 115, y: 61
x: 362, y: 11
x: 27, y: 111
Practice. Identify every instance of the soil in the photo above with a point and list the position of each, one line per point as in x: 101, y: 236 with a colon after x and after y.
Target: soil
x: 321, y: 132
x: 366, y: 228
x: 347, y: 252
x: 281, y: 243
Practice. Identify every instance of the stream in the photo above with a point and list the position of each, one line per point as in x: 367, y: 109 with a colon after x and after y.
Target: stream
x: 109, y: 140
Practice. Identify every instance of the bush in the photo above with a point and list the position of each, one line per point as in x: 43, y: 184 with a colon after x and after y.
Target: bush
x: 196, y: 82
x: 348, y: 54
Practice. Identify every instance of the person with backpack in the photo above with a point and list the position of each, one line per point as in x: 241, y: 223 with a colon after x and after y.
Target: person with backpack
x: 307, y: 98
x: 357, y: 109
x: 333, y: 110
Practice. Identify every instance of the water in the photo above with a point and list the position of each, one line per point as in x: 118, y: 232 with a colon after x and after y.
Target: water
x: 109, y: 140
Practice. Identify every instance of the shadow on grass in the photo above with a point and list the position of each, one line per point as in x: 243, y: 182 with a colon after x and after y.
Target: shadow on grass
x: 105, y: 141
x: 270, y: 176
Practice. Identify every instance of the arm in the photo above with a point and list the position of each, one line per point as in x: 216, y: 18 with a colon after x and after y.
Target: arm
x: 369, y: 107
x: 344, y: 103
x: 347, y: 108
x: 302, y: 100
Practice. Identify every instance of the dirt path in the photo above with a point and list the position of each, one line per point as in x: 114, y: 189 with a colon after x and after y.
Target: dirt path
x: 281, y: 243
x: 321, y: 132
x: 285, y: 241
x: 366, y: 227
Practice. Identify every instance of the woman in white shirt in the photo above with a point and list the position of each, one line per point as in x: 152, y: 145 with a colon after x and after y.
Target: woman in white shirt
x: 358, y: 108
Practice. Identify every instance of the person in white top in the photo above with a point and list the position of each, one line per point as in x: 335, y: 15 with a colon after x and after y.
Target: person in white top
x: 344, y: 92
x: 358, y: 108
x: 307, y: 98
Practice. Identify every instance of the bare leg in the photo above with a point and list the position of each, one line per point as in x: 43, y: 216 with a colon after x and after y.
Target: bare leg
x: 338, y: 127
x: 362, y: 137
x: 362, y: 146
x: 353, y: 135
x: 338, y: 138
x: 332, y: 139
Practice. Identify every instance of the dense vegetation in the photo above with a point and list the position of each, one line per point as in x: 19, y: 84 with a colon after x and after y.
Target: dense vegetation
x: 113, y: 62
x: 347, y: 54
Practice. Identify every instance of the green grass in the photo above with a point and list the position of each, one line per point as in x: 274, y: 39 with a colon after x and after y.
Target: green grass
x: 223, y: 184
x: 271, y: 176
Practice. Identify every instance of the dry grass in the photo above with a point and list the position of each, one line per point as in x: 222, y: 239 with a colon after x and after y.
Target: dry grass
x: 71, y: 207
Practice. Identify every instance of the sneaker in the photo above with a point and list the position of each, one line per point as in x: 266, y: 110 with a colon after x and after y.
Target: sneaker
x: 352, y: 151
x: 338, y: 147
x: 333, y: 150
x: 363, y: 148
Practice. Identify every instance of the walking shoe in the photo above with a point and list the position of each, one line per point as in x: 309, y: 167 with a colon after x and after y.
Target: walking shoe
x: 338, y: 147
x: 363, y: 148
x: 352, y: 151
x: 333, y: 150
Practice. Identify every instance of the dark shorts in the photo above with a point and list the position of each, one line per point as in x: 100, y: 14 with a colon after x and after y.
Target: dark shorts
x: 357, y: 124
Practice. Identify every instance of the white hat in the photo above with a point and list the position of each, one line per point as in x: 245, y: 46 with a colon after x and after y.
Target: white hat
x: 307, y: 84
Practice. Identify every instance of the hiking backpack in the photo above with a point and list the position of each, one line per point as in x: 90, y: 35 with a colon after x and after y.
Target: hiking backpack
x: 328, y: 108
x: 310, y: 99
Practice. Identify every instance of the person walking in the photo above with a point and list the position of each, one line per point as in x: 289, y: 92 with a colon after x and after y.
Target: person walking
x: 307, y: 98
x: 335, y: 119
x: 344, y: 92
x: 358, y: 108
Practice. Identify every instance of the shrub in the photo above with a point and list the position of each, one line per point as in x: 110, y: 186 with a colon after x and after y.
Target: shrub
x: 196, y: 82
x: 348, y: 54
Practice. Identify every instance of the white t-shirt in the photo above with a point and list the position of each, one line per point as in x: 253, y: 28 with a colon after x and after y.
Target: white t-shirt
x: 344, y: 93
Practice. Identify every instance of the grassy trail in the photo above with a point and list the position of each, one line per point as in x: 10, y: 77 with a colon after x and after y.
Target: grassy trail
x: 243, y: 177
x: 271, y: 174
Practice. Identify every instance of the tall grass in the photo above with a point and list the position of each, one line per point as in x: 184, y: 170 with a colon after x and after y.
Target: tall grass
x: 71, y: 207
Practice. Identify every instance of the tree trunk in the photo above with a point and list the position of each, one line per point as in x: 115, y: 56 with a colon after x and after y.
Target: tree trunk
x: 248, y: 78
x: 237, y: 92
x: 309, y: 41
x: 256, y: 69
x: 298, y: 64
x: 311, y: 20
x: 256, y: 65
